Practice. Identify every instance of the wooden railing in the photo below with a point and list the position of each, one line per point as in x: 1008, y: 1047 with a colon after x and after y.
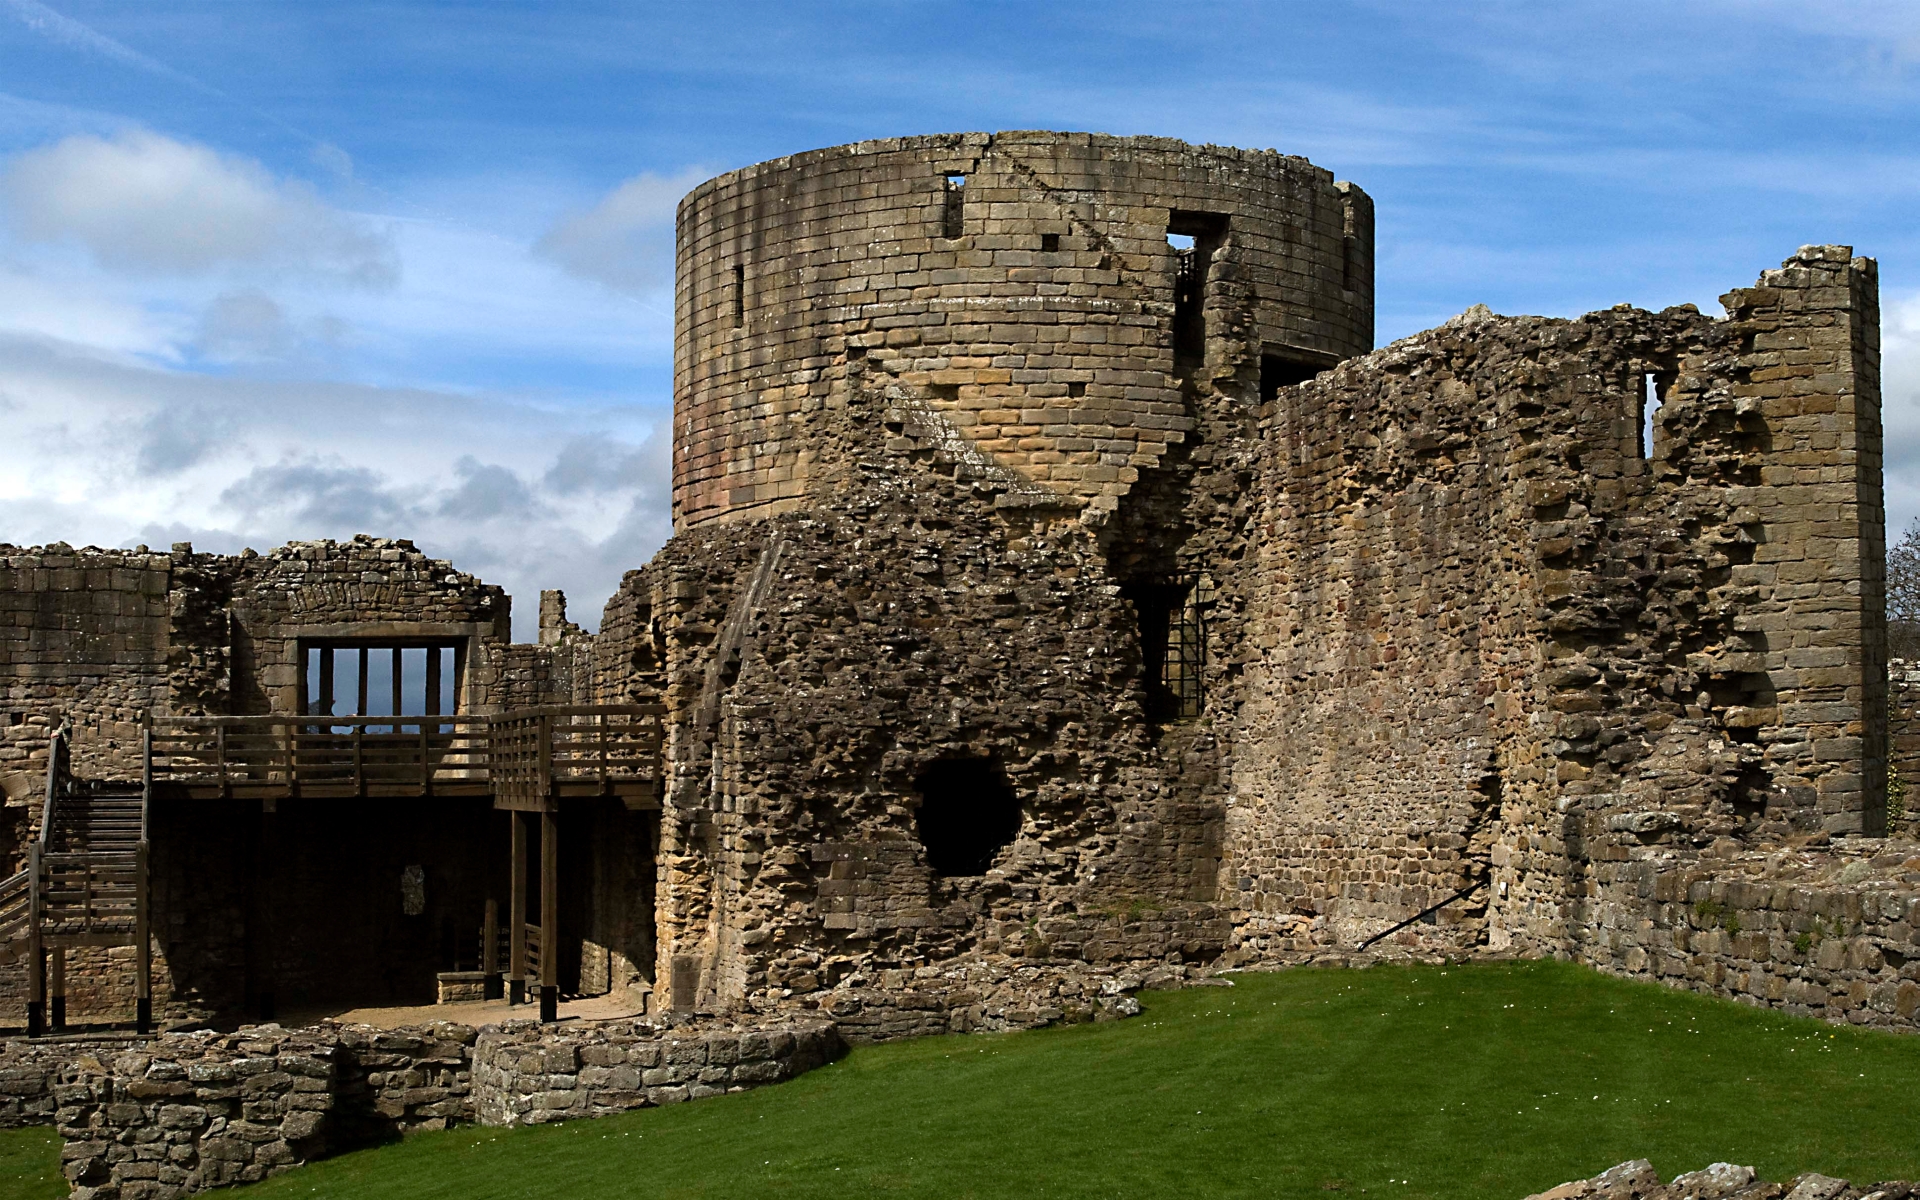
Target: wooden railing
x: 535, y: 749
x: 521, y: 756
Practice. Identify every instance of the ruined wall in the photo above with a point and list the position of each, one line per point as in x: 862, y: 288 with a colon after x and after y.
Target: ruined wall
x: 105, y: 639
x: 1494, y: 639
x: 1025, y: 281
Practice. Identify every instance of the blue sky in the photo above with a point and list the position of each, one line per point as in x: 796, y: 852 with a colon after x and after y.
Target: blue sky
x: 273, y: 270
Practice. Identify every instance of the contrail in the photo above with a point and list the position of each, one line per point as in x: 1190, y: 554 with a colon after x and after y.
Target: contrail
x: 41, y: 19
x: 67, y: 31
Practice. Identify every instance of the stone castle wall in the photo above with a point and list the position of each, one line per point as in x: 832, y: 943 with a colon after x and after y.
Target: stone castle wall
x: 1023, y: 281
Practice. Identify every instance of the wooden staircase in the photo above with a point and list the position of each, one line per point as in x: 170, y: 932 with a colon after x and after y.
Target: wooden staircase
x: 85, y: 885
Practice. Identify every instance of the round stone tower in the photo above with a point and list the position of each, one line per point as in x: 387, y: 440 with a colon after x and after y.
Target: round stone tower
x: 1044, y: 305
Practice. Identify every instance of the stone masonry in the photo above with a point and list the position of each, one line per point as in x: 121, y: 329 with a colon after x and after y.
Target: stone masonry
x: 1063, y: 590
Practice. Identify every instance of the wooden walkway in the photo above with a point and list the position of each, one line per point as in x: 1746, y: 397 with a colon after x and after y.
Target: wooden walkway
x: 527, y: 760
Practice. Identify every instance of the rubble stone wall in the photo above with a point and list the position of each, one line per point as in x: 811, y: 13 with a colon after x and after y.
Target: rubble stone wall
x: 528, y: 1075
x: 186, y: 1112
x: 1027, y: 279
x: 1496, y: 638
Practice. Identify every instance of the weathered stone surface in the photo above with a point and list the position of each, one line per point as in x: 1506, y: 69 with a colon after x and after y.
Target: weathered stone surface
x: 1638, y: 1180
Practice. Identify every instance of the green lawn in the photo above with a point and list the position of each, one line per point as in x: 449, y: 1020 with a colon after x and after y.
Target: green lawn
x: 1488, y: 1081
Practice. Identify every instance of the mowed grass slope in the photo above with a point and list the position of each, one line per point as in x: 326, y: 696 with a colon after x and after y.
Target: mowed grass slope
x: 1492, y: 1080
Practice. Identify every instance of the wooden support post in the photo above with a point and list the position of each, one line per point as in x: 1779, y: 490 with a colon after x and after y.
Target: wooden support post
x: 142, y: 944
x: 517, y: 913
x: 58, y: 1006
x: 549, y: 916
x: 36, y: 952
x: 490, y: 988
x: 264, y: 871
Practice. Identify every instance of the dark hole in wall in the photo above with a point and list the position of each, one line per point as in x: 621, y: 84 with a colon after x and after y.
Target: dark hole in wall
x: 1278, y: 371
x: 1194, y: 238
x: 968, y: 813
x: 739, y: 295
x: 1049, y: 243
x: 953, y: 210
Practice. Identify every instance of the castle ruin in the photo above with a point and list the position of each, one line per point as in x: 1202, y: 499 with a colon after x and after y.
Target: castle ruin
x: 1059, y: 576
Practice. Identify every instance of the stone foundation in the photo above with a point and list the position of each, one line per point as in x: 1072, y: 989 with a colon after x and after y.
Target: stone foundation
x: 1637, y: 1180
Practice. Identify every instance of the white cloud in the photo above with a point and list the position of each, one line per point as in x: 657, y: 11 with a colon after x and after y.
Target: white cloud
x: 1900, y: 409
x: 530, y: 497
x: 143, y: 202
x: 626, y: 240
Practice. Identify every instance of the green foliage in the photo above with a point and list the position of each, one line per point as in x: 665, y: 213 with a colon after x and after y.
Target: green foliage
x: 1491, y: 1080
x: 1733, y: 925
x: 1896, y: 798
x: 1709, y: 911
x: 1803, y: 942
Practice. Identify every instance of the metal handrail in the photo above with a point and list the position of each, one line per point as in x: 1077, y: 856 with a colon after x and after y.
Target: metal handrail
x: 1425, y: 912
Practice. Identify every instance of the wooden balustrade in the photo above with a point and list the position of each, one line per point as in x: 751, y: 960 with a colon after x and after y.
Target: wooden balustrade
x: 527, y: 759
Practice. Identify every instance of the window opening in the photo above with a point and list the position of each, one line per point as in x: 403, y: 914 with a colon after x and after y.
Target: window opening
x: 1173, y: 643
x: 739, y: 295
x: 1193, y: 238
x: 1349, y: 248
x: 379, y: 679
x: 1049, y: 243
x: 1653, y: 393
x: 1278, y: 371
x: 953, y: 212
x: 968, y: 814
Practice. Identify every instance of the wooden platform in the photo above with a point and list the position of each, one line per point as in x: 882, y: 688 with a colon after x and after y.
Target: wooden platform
x: 529, y: 760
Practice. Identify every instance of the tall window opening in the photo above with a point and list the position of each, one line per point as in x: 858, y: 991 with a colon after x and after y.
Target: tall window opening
x: 1652, y: 394
x: 379, y: 678
x: 1349, y: 249
x: 739, y: 295
x: 1193, y: 238
x: 953, y: 212
x: 968, y: 814
x: 1173, y: 643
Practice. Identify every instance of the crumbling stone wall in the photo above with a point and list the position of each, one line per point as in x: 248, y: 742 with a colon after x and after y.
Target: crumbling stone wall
x: 1496, y: 641
x: 187, y: 1112
x: 528, y: 1074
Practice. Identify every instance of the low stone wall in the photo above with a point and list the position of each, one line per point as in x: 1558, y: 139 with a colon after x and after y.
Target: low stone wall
x: 1637, y: 1180
x: 192, y: 1111
x: 525, y: 1074
x: 30, y: 1070
x: 989, y: 994
x: 1823, y: 929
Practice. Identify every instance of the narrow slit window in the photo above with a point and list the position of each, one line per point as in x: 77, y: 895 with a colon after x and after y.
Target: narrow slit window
x: 1653, y: 393
x: 739, y: 295
x: 1193, y: 238
x: 1349, y: 256
x: 953, y: 212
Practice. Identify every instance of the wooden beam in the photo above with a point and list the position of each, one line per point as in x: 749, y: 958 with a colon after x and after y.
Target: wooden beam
x: 517, y: 913
x: 58, y: 1006
x: 549, y: 917
x: 143, y: 948
x: 36, y: 956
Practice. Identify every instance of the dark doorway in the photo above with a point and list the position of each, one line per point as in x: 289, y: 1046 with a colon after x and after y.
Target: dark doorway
x: 968, y: 813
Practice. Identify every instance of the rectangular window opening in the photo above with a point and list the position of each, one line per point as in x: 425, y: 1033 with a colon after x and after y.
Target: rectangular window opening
x: 379, y: 678
x: 1193, y: 238
x: 953, y: 213
x: 1652, y: 394
x: 1173, y: 643
x: 739, y: 295
x: 1049, y: 243
x: 1279, y: 370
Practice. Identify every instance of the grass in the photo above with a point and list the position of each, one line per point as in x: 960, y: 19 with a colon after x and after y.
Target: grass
x: 1492, y: 1080
x: 30, y: 1164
